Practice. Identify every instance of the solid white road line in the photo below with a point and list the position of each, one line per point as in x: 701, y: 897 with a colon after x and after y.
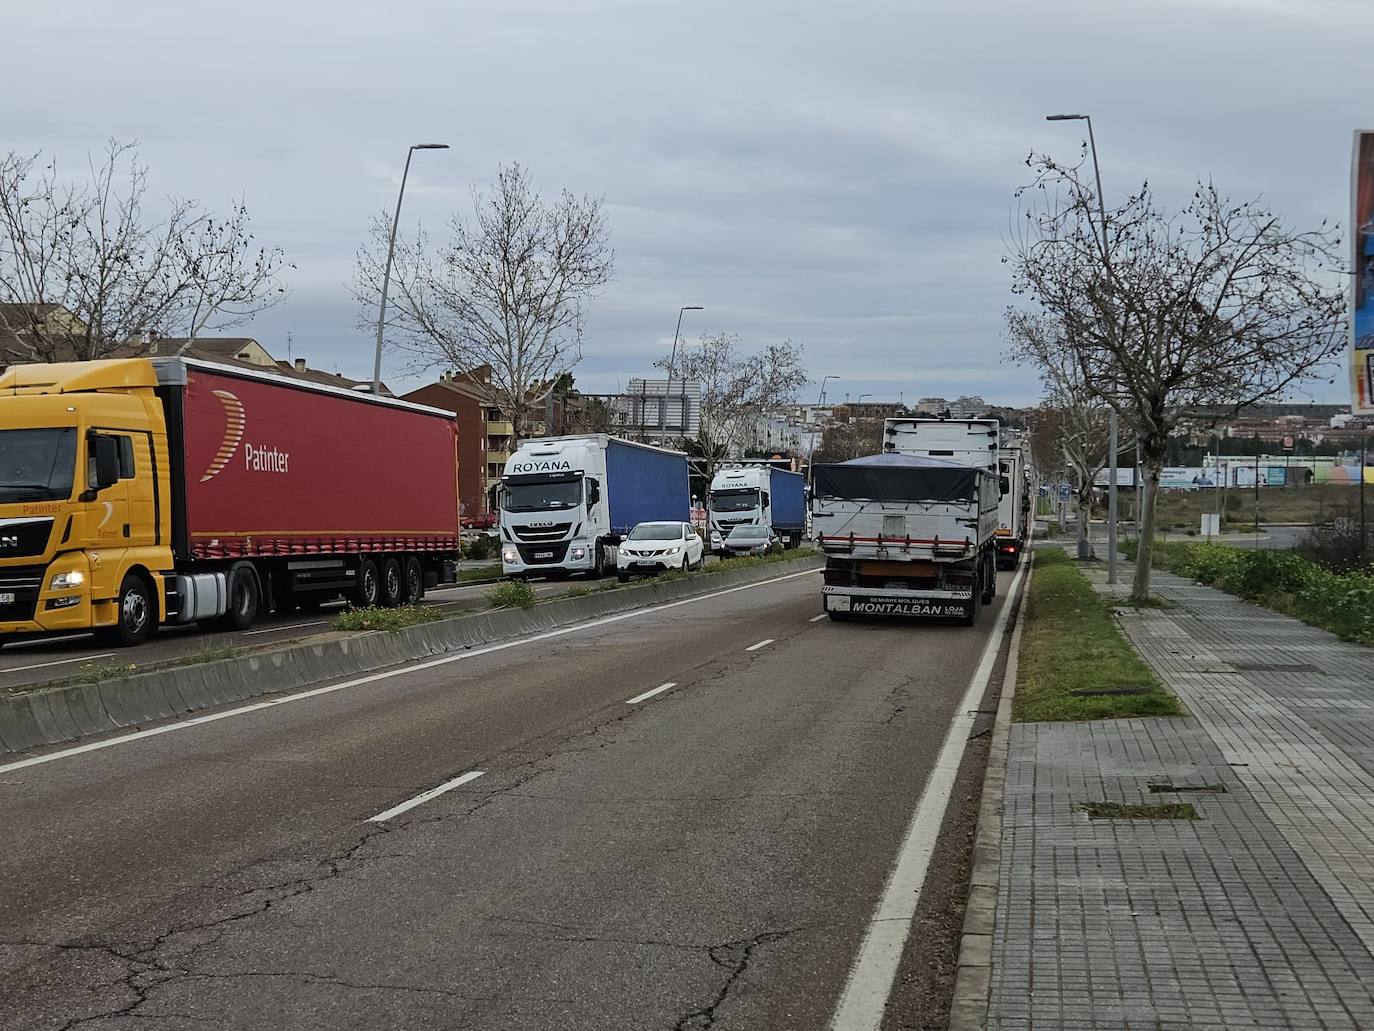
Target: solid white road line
x: 55, y: 662
x: 421, y: 799
x: 870, y: 979
x: 372, y: 678
x: 816, y: 619
x: 762, y: 644
x: 649, y: 694
x: 289, y: 626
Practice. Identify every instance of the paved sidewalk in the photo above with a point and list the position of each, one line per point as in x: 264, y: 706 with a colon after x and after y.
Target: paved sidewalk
x: 1260, y: 914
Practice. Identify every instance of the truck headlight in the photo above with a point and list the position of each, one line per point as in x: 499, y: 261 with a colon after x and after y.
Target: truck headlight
x: 579, y: 553
x: 67, y: 581
x: 509, y: 556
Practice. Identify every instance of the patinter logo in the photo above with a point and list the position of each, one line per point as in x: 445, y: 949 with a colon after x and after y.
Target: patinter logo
x: 255, y: 458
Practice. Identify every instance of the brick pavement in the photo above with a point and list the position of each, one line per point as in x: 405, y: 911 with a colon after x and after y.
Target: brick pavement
x: 1260, y: 914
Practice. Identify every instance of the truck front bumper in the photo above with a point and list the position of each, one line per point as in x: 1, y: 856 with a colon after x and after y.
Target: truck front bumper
x: 46, y: 598
x: 537, y: 559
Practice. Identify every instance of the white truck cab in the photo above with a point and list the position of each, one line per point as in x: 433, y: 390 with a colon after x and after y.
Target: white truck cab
x: 553, y: 511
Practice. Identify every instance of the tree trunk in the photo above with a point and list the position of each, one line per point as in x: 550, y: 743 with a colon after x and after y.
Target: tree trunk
x: 1145, y: 541
x: 1085, y: 513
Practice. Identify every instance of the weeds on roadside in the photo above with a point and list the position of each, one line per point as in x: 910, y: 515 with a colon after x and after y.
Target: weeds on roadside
x: 513, y: 594
x: 390, y: 620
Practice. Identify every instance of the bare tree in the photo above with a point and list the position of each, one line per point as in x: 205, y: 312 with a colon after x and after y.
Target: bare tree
x: 736, y: 388
x: 508, y: 290
x: 1072, y: 422
x: 842, y: 441
x: 1174, y: 315
x: 86, y: 270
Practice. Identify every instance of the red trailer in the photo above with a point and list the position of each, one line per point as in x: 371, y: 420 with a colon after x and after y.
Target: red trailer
x: 319, y: 490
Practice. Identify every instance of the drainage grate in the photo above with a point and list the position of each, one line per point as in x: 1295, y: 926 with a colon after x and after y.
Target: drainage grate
x: 1160, y: 789
x: 1124, y: 811
x: 1275, y: 667
x: 1108, y: 692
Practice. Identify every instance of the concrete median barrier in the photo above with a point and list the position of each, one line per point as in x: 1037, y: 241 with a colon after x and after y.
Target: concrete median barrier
x: 53, y: 715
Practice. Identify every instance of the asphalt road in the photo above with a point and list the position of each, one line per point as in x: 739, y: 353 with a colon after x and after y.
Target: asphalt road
x: 42, y: 659
x: 707, y: 856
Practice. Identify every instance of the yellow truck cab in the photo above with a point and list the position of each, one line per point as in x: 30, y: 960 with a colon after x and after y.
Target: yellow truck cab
x: 85, y: 519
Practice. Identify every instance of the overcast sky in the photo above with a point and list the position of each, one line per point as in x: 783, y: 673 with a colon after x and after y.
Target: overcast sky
x: 836, y: 173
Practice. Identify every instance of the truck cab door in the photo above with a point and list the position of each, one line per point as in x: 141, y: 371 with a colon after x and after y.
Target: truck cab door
x: 105, y: 514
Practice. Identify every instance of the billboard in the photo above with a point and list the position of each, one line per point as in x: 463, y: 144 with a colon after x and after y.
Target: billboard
x: 1362, y: 282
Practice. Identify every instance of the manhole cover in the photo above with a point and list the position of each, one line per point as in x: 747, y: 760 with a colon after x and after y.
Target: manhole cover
x: 1275, y: 667
x: 1158, y: 789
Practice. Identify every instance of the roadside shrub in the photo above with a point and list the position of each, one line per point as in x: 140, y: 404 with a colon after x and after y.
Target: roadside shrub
x: 513, y: 594
x: 1284, y: 581
x: 482, y: 547
x: 1335, y: 543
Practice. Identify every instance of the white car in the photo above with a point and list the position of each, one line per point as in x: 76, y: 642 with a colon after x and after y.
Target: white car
x: 656, y: 547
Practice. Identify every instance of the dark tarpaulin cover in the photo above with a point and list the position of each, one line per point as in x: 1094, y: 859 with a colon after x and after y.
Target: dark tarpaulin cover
x: 896, y: 477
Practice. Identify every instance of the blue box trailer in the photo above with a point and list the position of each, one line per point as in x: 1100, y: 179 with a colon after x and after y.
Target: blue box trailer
x: 645, y: 484
x: 788, y: 501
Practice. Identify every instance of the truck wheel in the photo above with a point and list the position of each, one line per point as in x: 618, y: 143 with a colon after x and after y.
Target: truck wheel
x: 599, y: 567
x: 975, y: 605
x: 989, y: 581
x: 415, y: 580
x: 136, y: 614
x: 367, y: 589
x: 244, y: 599
x: 393, y: 583
x: 838, y: 617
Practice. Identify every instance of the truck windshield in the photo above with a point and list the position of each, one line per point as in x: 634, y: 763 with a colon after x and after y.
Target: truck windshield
x: 37, y: 465
x: 734, y: 500
x: 540, y: 497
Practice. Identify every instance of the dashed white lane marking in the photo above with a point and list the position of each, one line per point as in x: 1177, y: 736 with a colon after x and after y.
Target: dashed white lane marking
x: 55, y: 662
x: 864, y: 1001
x: 372, y: 678
x: 762, y: 644
x: 816, y: 619
x: 649, y: 694
x: 424, y: 797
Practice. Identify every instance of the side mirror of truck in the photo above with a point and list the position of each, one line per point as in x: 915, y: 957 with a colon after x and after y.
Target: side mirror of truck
x: 1006, y: 484
x: 593, y: 492
x: 106, y: 459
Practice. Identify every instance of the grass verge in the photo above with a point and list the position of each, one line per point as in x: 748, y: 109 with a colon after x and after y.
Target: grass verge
x: 1075, y: 663
x: 491, y: 572
x: 390, y: 620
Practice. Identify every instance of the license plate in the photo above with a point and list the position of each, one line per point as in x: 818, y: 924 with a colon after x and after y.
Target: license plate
x: 543, y: 554
x: 6, y: 597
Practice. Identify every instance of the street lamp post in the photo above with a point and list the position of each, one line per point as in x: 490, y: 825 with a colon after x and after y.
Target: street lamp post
x: 1102, y: 212
x: 811, y: 458
x: 390, y: 252
x: 667, y: 388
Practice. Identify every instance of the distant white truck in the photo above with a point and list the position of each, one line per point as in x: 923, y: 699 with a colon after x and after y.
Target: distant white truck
x: 745, y: 494
x: 1013, y: 513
